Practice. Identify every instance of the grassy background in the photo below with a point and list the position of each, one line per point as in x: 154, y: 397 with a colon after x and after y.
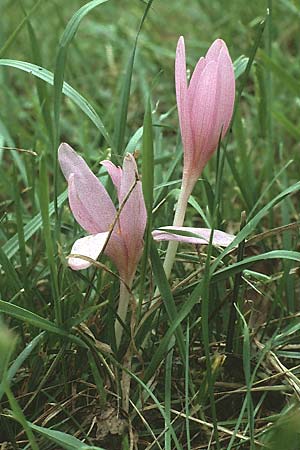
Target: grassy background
x: 62, y: 379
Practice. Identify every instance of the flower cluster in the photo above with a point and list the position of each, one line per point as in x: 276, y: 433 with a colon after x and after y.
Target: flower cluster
x: 205, y: 108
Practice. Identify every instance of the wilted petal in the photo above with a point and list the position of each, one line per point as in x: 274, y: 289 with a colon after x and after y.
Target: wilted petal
x: 115, y: 174
x: 89, y: 246
x: 220, y: 238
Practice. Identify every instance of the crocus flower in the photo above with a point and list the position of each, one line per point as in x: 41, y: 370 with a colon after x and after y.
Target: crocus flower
x: 205, y: 106
x: 94, y: 210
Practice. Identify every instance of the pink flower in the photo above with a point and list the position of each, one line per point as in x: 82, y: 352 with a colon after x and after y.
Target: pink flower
x: 205, y: 107
x: 94, y: 210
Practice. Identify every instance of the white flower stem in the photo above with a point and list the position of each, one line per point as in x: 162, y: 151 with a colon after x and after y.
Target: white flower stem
x: 185, y: 192
x: 122, y: 310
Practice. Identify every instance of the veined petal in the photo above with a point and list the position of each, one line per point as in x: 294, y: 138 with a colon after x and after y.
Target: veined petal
x: 116, y: 250
x: 71, y: 162
x: 89, y: 246
x: 220, y: 238
x: 181, y: 97
x: 180, y: 77
x: 115, y: 174
x: 200, y: 66
x: 92, y: 209
x: 133, y: 216
x: 89, y: 197
x: 202, y: 107
x: 225, y: 93
x: 214, y: 50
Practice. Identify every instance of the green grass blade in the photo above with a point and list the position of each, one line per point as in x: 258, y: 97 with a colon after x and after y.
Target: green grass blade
x: 61, y: 59
x: 20, y: 229
x: 281, y: 73
x: 122, y: 109
x: 29, y: 317
x: 168, y: 393
x: 148, y: 160
x: 251, y: 225
x: 70, y: 92
x: 11, y: 247
x: 159, y: 407
x: 247, y: 372
x: 20, y: 359
x: 237, y: 267
x: 147, y: 185
x: 15, y: 33
x: 186, y: 387
x: 19, y: 416
x: 41, y: 88
x: 14, y: 281
x: 167, y: 297
x: 62, y: 439
x: 50, y: 249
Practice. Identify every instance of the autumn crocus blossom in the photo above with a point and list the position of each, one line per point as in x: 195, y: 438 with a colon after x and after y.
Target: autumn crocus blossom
x: 119, y: 236
x: 205, y: 106
x: 94, y: 210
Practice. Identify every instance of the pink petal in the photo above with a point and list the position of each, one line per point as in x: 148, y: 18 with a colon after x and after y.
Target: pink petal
x: 133, y: 216
x: 225, y: 93
x: 71, y: 162
x: 180, y: 77
x: 90, y: 203
x: 203, y: 115
x: 181, y: 96
x: 116, y: 250
x: 89, y: 246
x: 223, y: 108
x: 115, y: 173
x: 220, y: 238
x: 200, y: 66
x: 214, y: 50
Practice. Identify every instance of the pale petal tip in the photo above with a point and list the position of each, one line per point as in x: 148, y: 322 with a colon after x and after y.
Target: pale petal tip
x: 65, y: 152
x: 89, y: 247
x: 180, y: 45
x: 78, y: 263
x: 198, y: 236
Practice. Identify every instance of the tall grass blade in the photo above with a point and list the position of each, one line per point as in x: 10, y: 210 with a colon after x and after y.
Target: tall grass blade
x: 122, y: 109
